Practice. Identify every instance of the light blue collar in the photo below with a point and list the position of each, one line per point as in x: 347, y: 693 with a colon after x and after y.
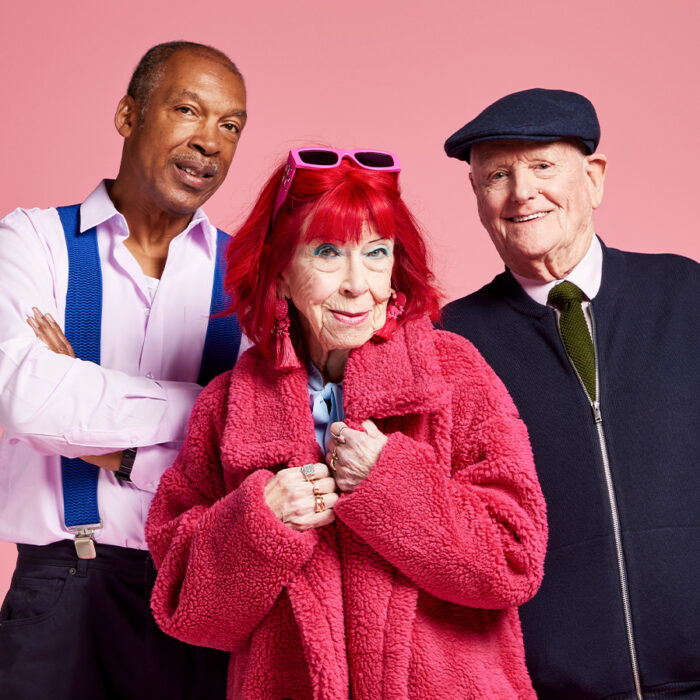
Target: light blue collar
x: 326, y: 403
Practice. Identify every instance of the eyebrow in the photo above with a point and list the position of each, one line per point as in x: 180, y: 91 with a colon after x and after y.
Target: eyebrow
x: 313, y: 242
x: 194, y: 96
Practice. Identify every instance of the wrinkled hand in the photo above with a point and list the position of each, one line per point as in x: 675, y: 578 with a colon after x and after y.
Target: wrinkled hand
x: 357, y: 452
x: 50, y: 333
x: 291, y: 497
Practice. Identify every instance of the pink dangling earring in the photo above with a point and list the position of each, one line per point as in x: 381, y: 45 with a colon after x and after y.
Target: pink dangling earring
x: 394, y: 309
x: 286, y: 358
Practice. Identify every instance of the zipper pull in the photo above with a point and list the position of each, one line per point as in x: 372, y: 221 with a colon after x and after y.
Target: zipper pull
x: 597, y: 415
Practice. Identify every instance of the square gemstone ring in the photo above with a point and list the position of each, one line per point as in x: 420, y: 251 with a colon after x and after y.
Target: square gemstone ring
x: 308, y: 470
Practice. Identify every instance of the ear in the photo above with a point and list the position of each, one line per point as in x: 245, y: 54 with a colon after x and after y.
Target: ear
x: 127, y: 116
x: 596, y: 167
x: 471, y: 180
x: 283, y: 291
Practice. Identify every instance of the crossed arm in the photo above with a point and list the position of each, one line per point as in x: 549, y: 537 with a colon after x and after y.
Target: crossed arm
x: 50, y: 333
x: 57, y: 404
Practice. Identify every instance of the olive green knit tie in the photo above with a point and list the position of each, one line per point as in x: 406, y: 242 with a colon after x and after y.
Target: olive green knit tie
x: 574, y: 332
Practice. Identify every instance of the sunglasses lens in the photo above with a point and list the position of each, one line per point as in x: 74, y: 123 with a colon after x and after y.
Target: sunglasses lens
x: 372, y: 159
x: 316, y: 157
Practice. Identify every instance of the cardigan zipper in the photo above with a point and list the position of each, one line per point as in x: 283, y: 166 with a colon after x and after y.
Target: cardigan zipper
x: 612, y: 500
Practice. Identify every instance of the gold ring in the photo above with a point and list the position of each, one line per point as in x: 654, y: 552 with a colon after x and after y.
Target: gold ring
x: 339, y: 437
x: 320, y: 505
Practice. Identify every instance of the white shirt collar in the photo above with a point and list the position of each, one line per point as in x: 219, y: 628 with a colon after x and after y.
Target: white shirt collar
x: 99, y: 208
x: 586, y: 276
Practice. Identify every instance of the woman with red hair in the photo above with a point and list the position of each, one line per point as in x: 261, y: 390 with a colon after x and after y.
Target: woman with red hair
x: 355, y: 511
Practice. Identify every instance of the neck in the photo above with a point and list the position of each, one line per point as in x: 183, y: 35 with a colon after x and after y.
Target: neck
x: 150, y: 229
x: 545, y: 270
x: 147, y: 222
x: 330, y: 363
x: 557, y: 264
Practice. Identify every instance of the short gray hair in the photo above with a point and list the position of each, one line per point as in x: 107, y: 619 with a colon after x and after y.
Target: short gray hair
x: 150, y: 68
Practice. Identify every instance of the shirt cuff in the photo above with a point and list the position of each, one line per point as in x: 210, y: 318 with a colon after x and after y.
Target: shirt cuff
x: 180, y: 398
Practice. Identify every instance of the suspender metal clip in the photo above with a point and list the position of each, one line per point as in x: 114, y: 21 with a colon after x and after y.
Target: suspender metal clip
x: 84, y: 540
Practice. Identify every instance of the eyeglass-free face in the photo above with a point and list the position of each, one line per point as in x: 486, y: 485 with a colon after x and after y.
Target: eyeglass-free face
x: 536, y: 201
x: 340, y: 290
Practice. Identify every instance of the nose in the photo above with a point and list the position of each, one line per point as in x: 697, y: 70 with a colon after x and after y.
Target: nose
x: 523, y: 185
x: 354, y: 281
x: 207, y: 138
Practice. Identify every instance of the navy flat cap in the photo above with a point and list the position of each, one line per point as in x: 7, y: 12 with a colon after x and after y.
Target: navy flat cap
x: 530, y: 115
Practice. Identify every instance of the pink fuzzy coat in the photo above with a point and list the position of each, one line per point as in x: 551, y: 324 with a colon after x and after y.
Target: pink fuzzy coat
x: 411, y: 593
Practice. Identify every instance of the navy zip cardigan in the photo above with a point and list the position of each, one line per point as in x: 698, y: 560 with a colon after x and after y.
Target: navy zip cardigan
x: 647, y: 328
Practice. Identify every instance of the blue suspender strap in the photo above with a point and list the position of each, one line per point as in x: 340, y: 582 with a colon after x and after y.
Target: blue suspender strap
x: 223, y: 332
x: 83, y: 329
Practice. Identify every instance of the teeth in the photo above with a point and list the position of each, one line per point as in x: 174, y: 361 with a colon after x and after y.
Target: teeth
x: 190, y: 172
x: 529, y: 217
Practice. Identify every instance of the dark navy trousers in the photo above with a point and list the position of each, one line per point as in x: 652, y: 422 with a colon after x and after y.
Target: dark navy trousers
x: 83, y: 630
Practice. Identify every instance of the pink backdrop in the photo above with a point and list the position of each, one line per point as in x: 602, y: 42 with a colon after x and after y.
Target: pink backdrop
x: 382, y: 73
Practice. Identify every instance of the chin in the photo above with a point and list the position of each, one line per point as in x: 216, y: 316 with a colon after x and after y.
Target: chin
x: 350, y: 342
x: 183, y: 203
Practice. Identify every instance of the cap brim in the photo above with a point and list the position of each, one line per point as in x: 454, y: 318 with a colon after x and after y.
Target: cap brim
x: 463, y: 151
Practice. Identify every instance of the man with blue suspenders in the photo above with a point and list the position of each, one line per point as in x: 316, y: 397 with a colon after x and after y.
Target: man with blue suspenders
x: 108, y: 330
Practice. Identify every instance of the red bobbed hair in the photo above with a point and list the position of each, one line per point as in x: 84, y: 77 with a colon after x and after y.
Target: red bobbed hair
x: 332, y: 205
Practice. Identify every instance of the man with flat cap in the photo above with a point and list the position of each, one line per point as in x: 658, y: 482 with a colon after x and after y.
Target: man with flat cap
x: 93, y: 418
x: 598, y: 348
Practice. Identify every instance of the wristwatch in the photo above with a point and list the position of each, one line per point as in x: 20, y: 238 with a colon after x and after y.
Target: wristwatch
x: 124, y: 471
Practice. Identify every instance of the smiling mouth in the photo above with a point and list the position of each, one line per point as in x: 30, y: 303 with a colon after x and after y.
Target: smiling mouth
x: 527, y: 217
x: 196, y: 169
x: 350, y: 319
x: 194, y: 175
x: 195, y: 172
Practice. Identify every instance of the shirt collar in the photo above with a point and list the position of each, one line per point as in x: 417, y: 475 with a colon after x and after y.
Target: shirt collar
x: 586, y: 276
x: 98, y: 208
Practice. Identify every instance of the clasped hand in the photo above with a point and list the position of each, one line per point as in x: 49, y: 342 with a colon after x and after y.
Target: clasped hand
x: 353, y: 453
x: 302, y: 503
x: 305, y: 502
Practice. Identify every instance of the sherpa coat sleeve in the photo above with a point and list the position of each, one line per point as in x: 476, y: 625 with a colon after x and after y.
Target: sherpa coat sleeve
x: 461, y: 515
x: 222, y: 558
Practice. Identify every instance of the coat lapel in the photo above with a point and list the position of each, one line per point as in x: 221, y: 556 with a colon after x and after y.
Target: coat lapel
x: 269, y: 423
x: 397, y: 377
x: 269, y: 426
x: 399, y: 384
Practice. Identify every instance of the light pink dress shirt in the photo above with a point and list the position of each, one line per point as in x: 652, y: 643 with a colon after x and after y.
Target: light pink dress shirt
x: 141, y: 395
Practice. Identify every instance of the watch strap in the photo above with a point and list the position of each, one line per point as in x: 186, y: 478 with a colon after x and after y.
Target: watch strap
x: 127, y: 464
